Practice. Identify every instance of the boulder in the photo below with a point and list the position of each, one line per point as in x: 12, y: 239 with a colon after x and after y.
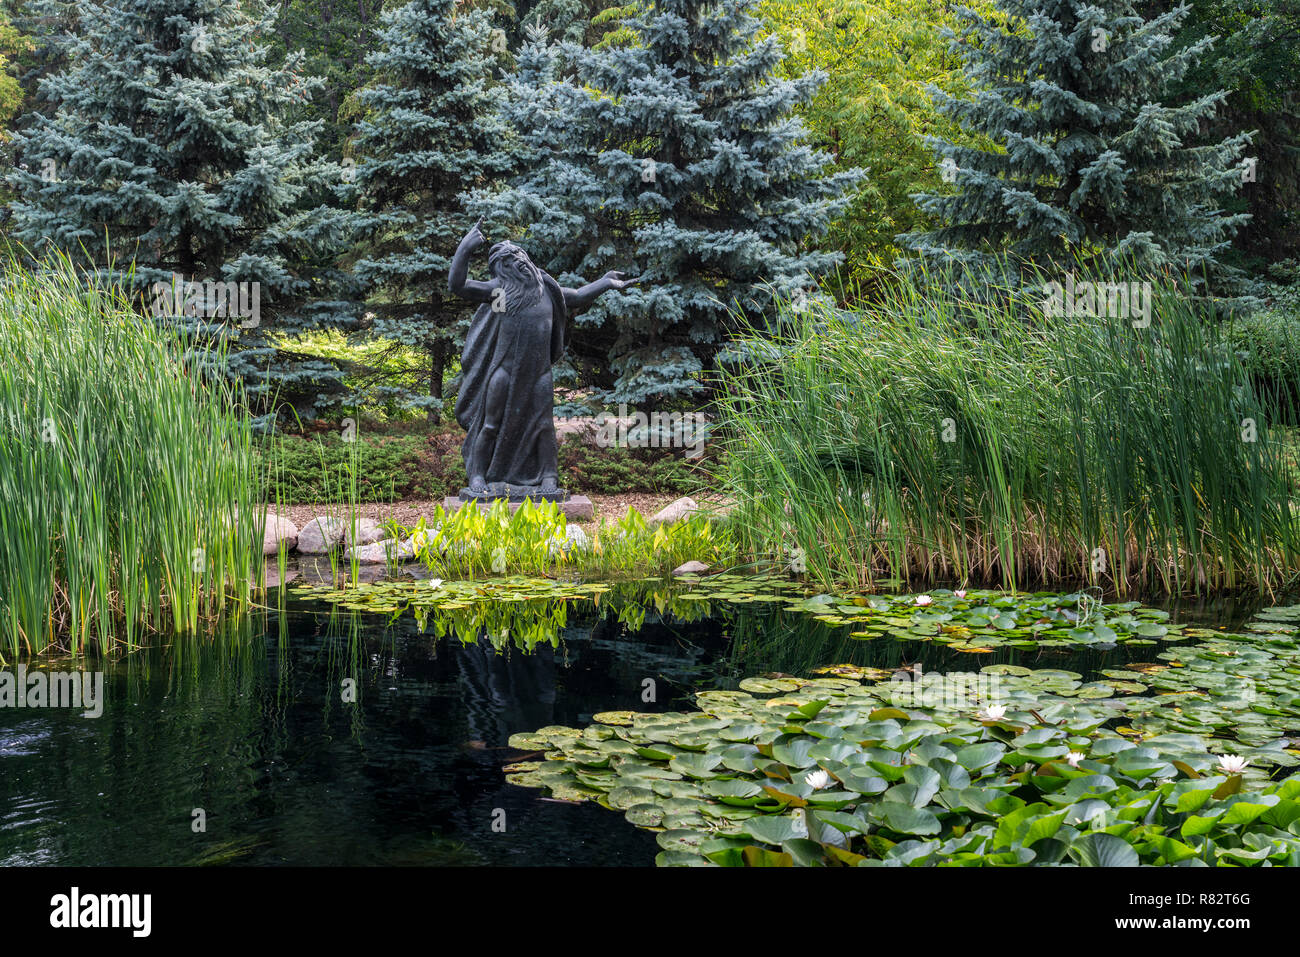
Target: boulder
x: 674, y: 512
x: 363, y: 531
x: 691, y: 568
x: 380, y: 553
x: 278, y: 529
x: 574, y: 537
x: 321, y: 535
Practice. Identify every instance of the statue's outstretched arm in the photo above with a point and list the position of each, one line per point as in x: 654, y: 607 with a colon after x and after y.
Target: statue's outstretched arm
x: 576, y: 300
x: 458, y: 280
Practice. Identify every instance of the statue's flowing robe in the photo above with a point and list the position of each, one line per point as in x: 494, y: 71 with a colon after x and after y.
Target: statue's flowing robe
x: 525, y: 443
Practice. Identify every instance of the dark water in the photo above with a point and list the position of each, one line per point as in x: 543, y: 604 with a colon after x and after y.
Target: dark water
x: 252, y: 728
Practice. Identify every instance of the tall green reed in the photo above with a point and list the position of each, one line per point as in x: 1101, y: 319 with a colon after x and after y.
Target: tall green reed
x: 128, y: 488
x: 929, y: 438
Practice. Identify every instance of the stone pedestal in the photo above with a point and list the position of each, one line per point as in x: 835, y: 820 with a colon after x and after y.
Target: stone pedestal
x: 576, y: 508
x: 514, y: 493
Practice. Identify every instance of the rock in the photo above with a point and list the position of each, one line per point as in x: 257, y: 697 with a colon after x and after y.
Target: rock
x: 674, y: 512
x: 322, y: 534
x: 574, y: 537
x: 691, y: 568
x: 363, y: 531
x: 278, y: 529
x: 380, y: 553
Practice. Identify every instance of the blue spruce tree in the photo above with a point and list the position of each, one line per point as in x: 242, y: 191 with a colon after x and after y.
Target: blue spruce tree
x: 171, y: 156
x: 675, y: 156
x: 1078, y: 154
x: 431, y: 131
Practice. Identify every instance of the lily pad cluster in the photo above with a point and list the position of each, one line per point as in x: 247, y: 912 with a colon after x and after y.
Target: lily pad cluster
x: 981, y: 621
x: 825, y: 771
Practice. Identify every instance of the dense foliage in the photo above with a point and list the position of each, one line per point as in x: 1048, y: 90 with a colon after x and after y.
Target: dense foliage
x: 429, y: 130
x: 926, y: 441
x: 173, y: 156
x: 1089, y: 158
x: 675, y: 156
x: 384, y: 468
x: 213, y: 184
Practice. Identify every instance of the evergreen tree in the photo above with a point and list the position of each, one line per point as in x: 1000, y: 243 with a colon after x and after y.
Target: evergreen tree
x: 431, y: 132
x: 1257, y: 60
x: 335, y: 37
x: 1086, y: 159
x: 676, y: 157
x: 172, y: 151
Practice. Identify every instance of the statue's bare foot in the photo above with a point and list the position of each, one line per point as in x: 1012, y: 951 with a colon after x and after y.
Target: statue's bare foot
x: 477, y: 484
x: 550, y: 484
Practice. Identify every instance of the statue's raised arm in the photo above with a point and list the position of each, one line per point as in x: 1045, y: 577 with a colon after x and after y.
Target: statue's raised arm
x: 458, y: 280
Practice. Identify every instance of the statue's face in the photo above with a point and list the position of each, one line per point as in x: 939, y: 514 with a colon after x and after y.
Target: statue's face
x: 511, y: 264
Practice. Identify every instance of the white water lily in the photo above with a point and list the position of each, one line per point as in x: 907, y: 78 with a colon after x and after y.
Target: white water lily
x: 923, y: 599
x: 435, y: 582
x: 1073, y: 758
x: 1232, y: 764
x: 959, y: 593
x: 817, y: 779
x: 993, y: 712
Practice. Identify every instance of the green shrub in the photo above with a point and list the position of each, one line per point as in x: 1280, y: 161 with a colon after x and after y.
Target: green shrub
x: 585, y: 468
x: 1269, y: 344
x: 311, y: 469
x: 308, y: 469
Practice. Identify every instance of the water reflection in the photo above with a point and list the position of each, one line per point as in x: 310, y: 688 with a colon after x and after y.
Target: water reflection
x: 314, y: 735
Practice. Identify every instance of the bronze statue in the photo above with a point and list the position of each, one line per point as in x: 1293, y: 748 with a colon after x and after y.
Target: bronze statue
x: 506, y: 398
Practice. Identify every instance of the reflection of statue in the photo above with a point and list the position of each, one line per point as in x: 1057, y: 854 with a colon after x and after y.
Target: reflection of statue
x: 505, y: 403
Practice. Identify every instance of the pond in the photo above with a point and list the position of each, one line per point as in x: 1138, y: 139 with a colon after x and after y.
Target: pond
x: 322, y: 735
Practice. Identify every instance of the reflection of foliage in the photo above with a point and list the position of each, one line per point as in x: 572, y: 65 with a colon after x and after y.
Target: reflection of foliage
x: 832, y: 770
x: 524, y: 612
x: 522, y: 623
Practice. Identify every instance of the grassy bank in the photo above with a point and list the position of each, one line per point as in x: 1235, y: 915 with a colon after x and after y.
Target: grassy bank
x: 126, y: 488
x: 915, y: 440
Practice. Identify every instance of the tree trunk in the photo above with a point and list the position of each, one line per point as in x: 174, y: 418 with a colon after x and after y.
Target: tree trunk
x: 437, y: 366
